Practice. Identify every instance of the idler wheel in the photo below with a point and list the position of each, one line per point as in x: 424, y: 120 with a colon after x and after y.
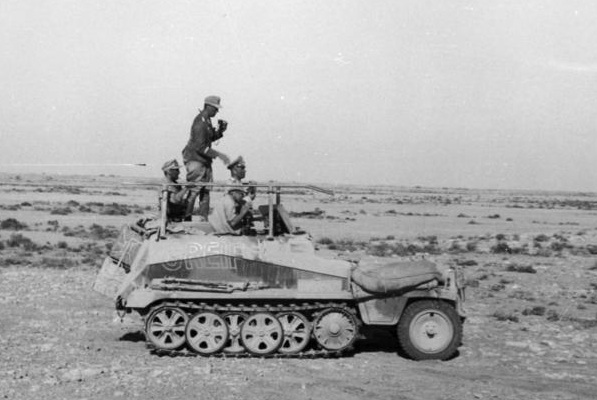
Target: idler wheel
x: 261, y: 334
x: 165, y: 327
x: 206, y: 333
x: 297, y: 331
x: 234, y: 320
x: 335, y: 329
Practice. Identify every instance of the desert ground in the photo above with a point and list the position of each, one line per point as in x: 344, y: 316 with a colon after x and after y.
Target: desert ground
x: 529, y: 260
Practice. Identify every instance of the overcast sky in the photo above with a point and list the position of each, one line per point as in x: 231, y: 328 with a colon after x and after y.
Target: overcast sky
x: 461, y: 93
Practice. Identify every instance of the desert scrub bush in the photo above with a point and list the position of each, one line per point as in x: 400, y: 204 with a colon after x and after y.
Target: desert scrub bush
x: 537, y: 310
x: 592, y: 249
x: 2, y: 246
x: 61, y: 211
x: 544, y: 253
x: 115, y: 209
x: 62, y: 245
x: 501, y: 315
x: 472, y: 246
x: 325, y: 241
x: 501, y: 248
x: 552, y: 315
x: 56, y: 262
x: 382, y: 249
x: 432, y: 239
x: 96, y: 232
x: 13, y: 225
x: 456, y: 248
x: 99, y: 232
x: 385, y: 249
x: 559, y: 246
x: 496, y: 287
x: 521, y: 268
x: 13, y: 261
x: 466, y: 263
x: 541, y: 238
x: 494, y: 216
x: 347, y: 245
x: 522, y: 295
x: 593, y: 267
x: 18, y: 240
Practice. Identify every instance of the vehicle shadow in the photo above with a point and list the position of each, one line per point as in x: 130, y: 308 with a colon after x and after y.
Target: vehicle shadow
x: 134, y: 337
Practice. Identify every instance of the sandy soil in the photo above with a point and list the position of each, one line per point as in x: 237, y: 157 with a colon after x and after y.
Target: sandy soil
x: 531, y: 330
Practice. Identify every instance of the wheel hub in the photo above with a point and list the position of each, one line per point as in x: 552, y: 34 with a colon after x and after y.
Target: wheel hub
x: 430, y: 329
x: 334, y: 328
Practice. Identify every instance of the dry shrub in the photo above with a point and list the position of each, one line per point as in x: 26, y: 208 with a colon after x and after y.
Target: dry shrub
x: 61, y: 211
x: 505, y: 316
x: 12, y: 224
x: 56, y: 262
x: 521, y: 268
x: 552, y: 315
x: 537, y: 310
x: 18, y: 240
x: 325, y: 241
x: 501, y: 248
x: 466, y: 263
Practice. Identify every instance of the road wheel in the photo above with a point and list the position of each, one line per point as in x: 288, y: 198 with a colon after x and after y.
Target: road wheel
x: 429, y: 330
x: 165, y: 327
x: 261, y: 334
x: 297, y: 332
x: 206, y: 333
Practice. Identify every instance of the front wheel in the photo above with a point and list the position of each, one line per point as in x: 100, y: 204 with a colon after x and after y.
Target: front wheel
x: 429, y: 330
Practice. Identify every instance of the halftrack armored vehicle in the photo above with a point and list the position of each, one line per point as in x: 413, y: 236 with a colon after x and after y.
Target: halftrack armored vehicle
x: 267, y: 291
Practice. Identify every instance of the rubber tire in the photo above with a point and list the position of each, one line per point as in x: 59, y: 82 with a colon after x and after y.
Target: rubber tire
x: 416, y: 308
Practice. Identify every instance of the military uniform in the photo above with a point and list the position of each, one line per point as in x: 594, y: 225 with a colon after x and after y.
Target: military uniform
x: 198, y: 155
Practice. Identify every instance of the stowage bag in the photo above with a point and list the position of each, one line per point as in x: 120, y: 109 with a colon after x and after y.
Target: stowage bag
x: 396, y: 276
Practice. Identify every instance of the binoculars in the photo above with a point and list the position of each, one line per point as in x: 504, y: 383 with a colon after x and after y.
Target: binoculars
x: 222, y: 125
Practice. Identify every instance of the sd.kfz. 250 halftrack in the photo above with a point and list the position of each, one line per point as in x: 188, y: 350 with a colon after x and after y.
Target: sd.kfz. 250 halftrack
x: 267, y: 293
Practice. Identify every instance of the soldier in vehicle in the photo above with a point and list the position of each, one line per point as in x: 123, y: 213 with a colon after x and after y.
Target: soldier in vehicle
x: 198, y: 154
x: 177, y: 195
x: 230, y: 211
x: 238, y: 171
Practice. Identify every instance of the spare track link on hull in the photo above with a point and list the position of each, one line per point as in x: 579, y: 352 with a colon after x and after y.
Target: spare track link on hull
x: 192, y: 308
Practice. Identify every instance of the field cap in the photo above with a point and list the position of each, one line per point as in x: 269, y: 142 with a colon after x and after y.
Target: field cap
x: 237, y: 161
x: 170, y: 164
x: 236, y: 188
x: 213, y: 101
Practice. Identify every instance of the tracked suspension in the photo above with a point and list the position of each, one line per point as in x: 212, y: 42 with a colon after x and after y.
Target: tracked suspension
x: 308, y: 330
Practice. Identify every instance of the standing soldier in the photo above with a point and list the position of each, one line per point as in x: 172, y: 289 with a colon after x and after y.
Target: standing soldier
x: 198, y: 154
